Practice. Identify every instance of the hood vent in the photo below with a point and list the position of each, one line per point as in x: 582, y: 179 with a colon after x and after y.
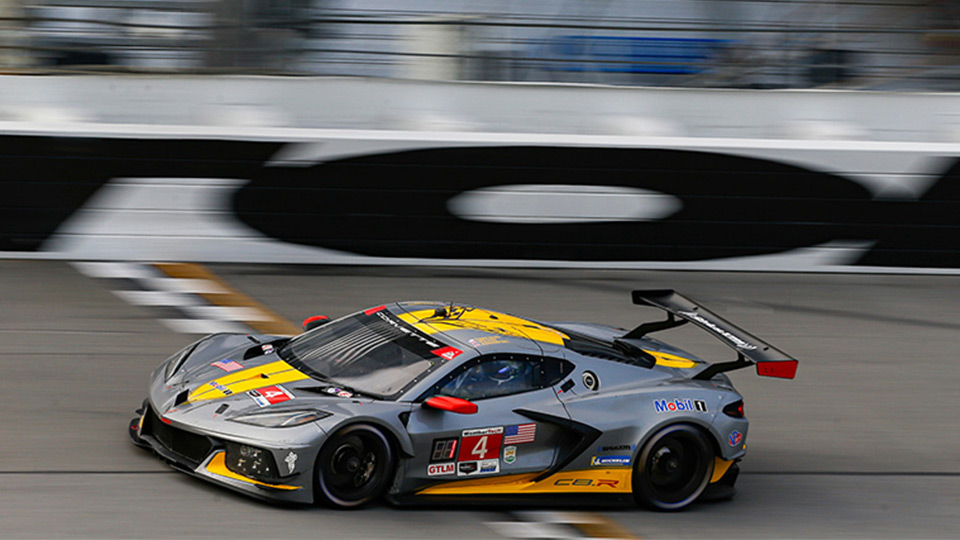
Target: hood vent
x: 253, y: 352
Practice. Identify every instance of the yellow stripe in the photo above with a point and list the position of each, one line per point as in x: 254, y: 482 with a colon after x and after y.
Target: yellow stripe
x: 218, y: 466
x: 278, y: 372
x: 672, y: 360
x: 466, y: 318
x: 272, y: 323
x: 599, y: 480
x: 720, y: 468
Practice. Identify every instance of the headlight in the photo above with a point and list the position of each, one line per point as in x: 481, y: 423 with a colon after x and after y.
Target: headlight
x: 281, y: 419
x: 251, y: 461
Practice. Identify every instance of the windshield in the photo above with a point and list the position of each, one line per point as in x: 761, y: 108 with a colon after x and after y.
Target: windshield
x: 371, y: 352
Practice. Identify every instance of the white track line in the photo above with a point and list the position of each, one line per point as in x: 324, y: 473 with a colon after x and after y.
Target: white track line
x: 201, y: 326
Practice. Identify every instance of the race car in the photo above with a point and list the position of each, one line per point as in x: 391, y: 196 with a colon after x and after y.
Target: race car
x: 427, y: 402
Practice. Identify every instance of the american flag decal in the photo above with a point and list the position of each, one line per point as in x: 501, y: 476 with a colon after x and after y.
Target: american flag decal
x: 523, y: 433
x: 227, y: 365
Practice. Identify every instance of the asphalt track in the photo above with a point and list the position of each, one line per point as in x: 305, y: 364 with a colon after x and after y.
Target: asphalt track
x: 863, y: 444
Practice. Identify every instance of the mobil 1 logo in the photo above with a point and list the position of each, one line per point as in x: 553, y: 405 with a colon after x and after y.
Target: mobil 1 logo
x: 680, y: 405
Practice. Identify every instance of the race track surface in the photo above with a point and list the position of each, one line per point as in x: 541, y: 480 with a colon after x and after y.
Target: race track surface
x: 863, y: 444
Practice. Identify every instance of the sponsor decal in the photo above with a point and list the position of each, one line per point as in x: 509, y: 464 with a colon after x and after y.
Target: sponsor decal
x: 581, y: 482
x: 226, y: 391
x: 467, y: 468
x: 447, y: 353
x: 735, y: 438
x: 509, y: 454
x: 486, y: 466
x: 732, y: 338
x: 680, y: 405
x: 267, y: 349
x: 523, y: 433
x: 227, y: 365
x: 481, y: 431
x: 344, y: 393
x: 597, y: 461
x: 440, y: 469
x: 291, y: 461
x: 480, y: 444
x: 487, y: 340
x: 270, y: 395
x: 444, y: 450
x: 405, y: 330
x: 616, y: 448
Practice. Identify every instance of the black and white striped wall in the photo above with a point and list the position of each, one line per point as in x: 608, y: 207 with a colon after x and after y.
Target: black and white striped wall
x: 396, y: 197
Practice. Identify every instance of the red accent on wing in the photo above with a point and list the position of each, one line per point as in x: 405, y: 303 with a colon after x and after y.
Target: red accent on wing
x: 785, y: 369
x: 373, y: 310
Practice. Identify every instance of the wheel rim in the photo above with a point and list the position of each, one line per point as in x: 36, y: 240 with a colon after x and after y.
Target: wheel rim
x: 673, y: 465
x: 677, y: 464
x: 354, y: 466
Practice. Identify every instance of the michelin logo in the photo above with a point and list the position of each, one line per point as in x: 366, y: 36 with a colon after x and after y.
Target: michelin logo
x: 596, y: 461
x: 680, y: 405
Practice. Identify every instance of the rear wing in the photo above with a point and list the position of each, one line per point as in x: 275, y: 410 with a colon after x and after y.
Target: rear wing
x: 751, y: 350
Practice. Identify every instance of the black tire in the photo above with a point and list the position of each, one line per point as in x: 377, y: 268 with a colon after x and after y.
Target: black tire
x: 354, y: 466
x: 673, y: 468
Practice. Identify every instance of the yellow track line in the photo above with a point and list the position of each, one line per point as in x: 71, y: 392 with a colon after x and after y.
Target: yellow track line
x: 273, y: 322
x: 598, y: 526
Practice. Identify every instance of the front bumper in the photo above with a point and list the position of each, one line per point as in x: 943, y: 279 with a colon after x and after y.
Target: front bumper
x: 204, y: 456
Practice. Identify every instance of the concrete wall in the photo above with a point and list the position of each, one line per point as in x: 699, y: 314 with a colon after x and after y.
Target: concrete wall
x: 375, y: 104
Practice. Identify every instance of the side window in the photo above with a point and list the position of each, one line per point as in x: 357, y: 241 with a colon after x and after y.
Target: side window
x: 503, y: 375
x: 555, y: 370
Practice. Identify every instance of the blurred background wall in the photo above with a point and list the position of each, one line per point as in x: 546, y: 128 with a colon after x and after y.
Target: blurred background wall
x: 773, y: 135
x: 865, y: 44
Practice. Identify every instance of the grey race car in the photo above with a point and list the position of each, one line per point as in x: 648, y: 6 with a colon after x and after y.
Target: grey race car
x: 431, y: 401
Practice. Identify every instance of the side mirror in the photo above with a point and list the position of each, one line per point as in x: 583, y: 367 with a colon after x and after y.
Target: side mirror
x: 452, y: 404
x: 312, y: 322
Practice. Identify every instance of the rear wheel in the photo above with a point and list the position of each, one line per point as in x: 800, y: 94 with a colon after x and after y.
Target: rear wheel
x: 673, y: 468
x: 354, y: 466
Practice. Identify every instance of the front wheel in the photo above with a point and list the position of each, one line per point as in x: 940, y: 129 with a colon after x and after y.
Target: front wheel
x: 673, y: 468
x: 354, y: 466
